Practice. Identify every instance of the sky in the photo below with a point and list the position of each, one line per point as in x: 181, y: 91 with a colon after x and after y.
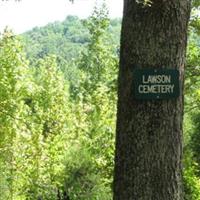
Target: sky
x: 25, y: 14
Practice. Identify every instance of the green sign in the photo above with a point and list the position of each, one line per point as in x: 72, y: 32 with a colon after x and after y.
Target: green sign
x: 156, y: 83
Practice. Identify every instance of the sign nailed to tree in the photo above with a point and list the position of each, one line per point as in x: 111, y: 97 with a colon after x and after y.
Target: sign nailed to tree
x: 156, y: 83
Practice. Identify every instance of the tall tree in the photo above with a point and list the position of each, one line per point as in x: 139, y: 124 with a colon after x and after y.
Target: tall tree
x: 149, y: 132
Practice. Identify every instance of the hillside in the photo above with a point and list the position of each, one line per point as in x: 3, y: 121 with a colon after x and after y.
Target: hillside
x: 65, y: 39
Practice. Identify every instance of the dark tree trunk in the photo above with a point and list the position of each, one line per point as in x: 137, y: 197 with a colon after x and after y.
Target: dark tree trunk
x: 65, y: 197
x: 149, y: 132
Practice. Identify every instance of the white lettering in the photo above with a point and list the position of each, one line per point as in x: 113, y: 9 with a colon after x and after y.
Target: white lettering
x: 156, y: 79
x: 156, y: 89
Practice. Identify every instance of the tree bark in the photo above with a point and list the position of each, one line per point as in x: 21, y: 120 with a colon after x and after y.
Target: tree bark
x: 149, y: 132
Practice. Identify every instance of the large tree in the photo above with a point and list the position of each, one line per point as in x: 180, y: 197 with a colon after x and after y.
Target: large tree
x: 149, y: 132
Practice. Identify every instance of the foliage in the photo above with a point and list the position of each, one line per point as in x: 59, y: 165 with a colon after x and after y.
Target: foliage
x: 191, y: 122
x: 57, y: 113
x: 12, y: 83
x: 65, y: 39
x: 97, y: 66
x: 191, y: 181
x: 82, y: 179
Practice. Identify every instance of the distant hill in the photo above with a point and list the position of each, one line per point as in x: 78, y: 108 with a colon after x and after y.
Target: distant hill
x: 65, y: 39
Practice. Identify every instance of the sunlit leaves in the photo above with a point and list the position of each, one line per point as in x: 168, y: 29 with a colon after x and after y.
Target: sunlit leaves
x: 53, y: 142
x: 13, y: 73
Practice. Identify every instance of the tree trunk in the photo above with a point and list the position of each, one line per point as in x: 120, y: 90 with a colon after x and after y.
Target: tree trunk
x: 149, y: 132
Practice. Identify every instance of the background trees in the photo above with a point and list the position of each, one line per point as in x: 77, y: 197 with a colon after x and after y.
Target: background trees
x: 58, y: 116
